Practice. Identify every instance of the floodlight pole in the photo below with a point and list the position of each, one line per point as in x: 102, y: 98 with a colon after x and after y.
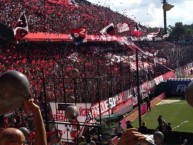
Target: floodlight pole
x: 165, y: 18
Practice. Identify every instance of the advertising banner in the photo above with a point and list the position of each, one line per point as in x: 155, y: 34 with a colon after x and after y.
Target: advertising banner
x: 69, y: 129
x: 177, y: 86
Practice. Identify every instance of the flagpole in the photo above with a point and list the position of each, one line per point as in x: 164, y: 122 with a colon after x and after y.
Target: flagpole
x: 138, y: 88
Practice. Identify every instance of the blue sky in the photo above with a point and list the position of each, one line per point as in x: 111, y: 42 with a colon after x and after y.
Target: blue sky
x: 150, y: 12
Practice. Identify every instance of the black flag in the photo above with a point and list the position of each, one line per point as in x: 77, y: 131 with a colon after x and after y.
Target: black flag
x: 6, y: 33
x: 21, y: 27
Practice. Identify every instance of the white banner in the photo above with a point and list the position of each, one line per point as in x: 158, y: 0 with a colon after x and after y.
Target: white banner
x: 69, y: 129
x: 122, y: 27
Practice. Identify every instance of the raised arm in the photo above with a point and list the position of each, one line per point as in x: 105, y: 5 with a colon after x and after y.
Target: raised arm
x: 40, y: 132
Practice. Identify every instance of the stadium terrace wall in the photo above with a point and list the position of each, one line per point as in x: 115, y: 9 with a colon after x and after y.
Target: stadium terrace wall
x: 134, y: 114
x: 127, y: 99
x: 118, y: 105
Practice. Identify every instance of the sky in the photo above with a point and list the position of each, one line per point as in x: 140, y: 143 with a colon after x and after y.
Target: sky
x: 150, y: 12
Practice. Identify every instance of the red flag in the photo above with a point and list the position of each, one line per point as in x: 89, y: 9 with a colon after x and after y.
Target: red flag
x: 137, y: 31
x: 79, y: 32
x: 21, y: 27
x: 78, y: 35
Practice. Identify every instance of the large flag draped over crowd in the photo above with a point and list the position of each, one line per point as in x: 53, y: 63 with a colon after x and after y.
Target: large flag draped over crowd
x: 79, y: 35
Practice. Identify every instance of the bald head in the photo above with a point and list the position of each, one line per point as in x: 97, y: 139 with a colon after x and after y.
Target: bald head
x: 11, y: 135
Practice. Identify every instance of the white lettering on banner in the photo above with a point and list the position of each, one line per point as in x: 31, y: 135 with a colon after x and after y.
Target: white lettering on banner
x: 129, y: 95
x: 105, y: 106
x: 112, y: 102
x: 83, y: 111
x: 92, y: 37
x: 114, y: 38
x: 108, y: 104
x: 59, y: 115
x: 181, y: 88
x: 98, y: 37
x: 102, y: 106
x: 103, y: 38
x: 109, y: 38
x: 152, y: 82
x: 118, y: 99
x: 83, y: 31
x: 158, y: 79
x: 161, y: 79
x: 149, y: 85
x: 96, y: 110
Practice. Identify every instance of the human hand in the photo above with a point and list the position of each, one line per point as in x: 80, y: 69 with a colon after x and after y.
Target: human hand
x: 30, y: 106
x: 131, y: 137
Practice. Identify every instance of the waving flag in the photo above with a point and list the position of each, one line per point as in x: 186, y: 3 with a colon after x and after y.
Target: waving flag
x: 109, y: 30
x: 78, y: 35
x: 137, y: 31
x: 21, y: 27
x: 165, y: 36
x: 153, y: 34
x: 122, y: 27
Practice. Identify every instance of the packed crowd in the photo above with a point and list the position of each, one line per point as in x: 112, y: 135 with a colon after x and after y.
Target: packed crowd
x: 68, y: 70
x: 72, y: 73
x: 43, y: 16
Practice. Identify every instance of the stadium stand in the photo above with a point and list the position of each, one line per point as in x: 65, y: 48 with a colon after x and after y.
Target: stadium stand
x: 64, y: 72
